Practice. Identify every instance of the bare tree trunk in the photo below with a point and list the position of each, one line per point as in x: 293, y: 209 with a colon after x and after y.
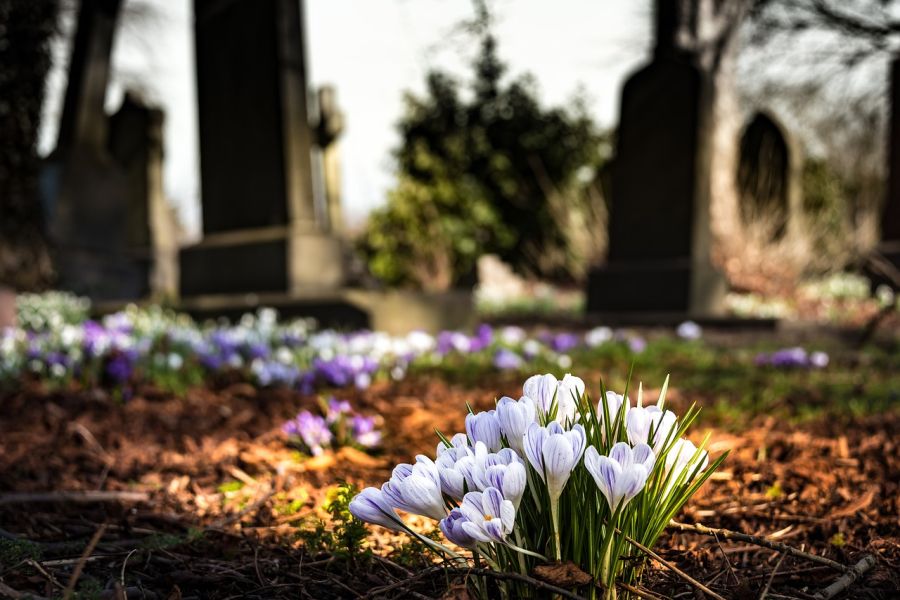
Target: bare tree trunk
x: 24, y: 62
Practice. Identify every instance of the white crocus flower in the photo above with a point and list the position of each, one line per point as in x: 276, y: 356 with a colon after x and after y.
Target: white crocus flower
x: 649, y: 425
x: 621, y: 475
x: 544, y: 389
x: 484, y: 427
x: 371, y: 506
x: 489, y: 516
x: 416, y: 489
x: 515, y: 417
x: 554, y: 452
x: 683, y: 459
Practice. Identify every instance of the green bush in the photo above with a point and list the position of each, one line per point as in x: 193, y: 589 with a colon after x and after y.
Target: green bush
x: 482, y: 170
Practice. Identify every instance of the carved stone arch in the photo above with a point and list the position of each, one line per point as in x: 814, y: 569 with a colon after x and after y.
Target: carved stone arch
x: 767, y: 174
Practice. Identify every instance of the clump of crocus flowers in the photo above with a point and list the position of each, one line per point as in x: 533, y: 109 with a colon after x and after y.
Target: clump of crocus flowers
x: 793, y: 358
x: 340, y: 426
x: 552, y: 476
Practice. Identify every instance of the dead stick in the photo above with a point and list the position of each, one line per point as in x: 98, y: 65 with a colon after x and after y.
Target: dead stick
x: 847, y: 579
x: 74, y: 496
x: 645, y: 595
x: 76, y: 573
x: 673, y: 568
x: 758, y: 541
x: 772, y: 577
x: 474, y: 572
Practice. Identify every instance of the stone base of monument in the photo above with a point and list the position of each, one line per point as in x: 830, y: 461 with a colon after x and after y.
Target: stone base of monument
x: 395, y: 312
x: 644, y: 288
x: 883, y: 267
x: 265, y: 260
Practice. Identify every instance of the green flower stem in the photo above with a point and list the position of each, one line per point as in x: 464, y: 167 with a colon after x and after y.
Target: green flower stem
x: 554, y: 514
x: 522, y: 568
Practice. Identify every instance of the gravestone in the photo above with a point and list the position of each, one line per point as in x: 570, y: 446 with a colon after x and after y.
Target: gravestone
x: 886, y: 267
x: 768, y: 176
x: 659, y: 229
x: 104, y: 177
x: 261, y: 230
x: 328, y: 132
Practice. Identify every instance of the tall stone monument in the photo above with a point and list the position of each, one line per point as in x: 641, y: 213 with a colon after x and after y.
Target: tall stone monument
x: 104, y: 179
x: 659, y: 226
x: 886, y: 267
x: 261, y: 230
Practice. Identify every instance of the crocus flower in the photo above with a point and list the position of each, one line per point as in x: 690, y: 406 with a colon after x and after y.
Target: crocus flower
x: 682, y: 457
x: 689, y: 331
x: 544, y: 389
x: 459, y: 440
x: 489, y: 516
x: 484, y: 427
x: 337, y: 408
x: 452, y: 526
x: 621, y: 475
x: 416, y: 489
x: 598, y: 336
x: 515, y: 417
x: 455, y: 466
x: 371, y: 506
x: 649, y: 425
x: 509, y: 478
x: 637, y: 344
x: 312, y: 430
x: 554, y: 452
x: 507, y: 360
x: 613, y: 402
x: 819, y: 360
x: 364, y: 432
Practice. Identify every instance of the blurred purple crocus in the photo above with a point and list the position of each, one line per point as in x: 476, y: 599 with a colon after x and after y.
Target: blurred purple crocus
x: 507, y: 360
x: 363, y: 431
x: 311, y: 430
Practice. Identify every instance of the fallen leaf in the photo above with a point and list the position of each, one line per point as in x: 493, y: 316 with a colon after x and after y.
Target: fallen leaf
x: 564, y: 575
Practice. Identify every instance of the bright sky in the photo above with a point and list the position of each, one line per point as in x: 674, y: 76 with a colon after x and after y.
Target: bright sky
x: 372, y: 51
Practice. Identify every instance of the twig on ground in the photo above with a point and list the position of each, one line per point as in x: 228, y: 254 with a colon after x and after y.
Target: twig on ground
x: 475, y: 572
x: 638, y: 592
x: 40, y: 569
x: 758, y: 541
x: 76, y: 573
x: 673, y: 568
x: 847, y: 579
x: 74, y: 496
x: 765, y: 591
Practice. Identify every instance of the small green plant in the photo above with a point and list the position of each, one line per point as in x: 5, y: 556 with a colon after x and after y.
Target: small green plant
x: 231, y: 486
x: 346, y: 534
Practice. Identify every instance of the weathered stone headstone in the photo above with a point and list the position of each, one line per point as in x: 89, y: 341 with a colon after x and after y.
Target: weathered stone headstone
x: 261, y: 230
x: 104, y: 179
x: 659, y: 229
x: 768, y: 175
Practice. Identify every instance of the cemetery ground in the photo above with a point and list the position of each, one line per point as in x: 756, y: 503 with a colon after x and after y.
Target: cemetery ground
x: 198, y: 494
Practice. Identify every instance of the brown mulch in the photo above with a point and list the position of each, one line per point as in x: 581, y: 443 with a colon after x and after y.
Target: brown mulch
x: 830, y: 488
